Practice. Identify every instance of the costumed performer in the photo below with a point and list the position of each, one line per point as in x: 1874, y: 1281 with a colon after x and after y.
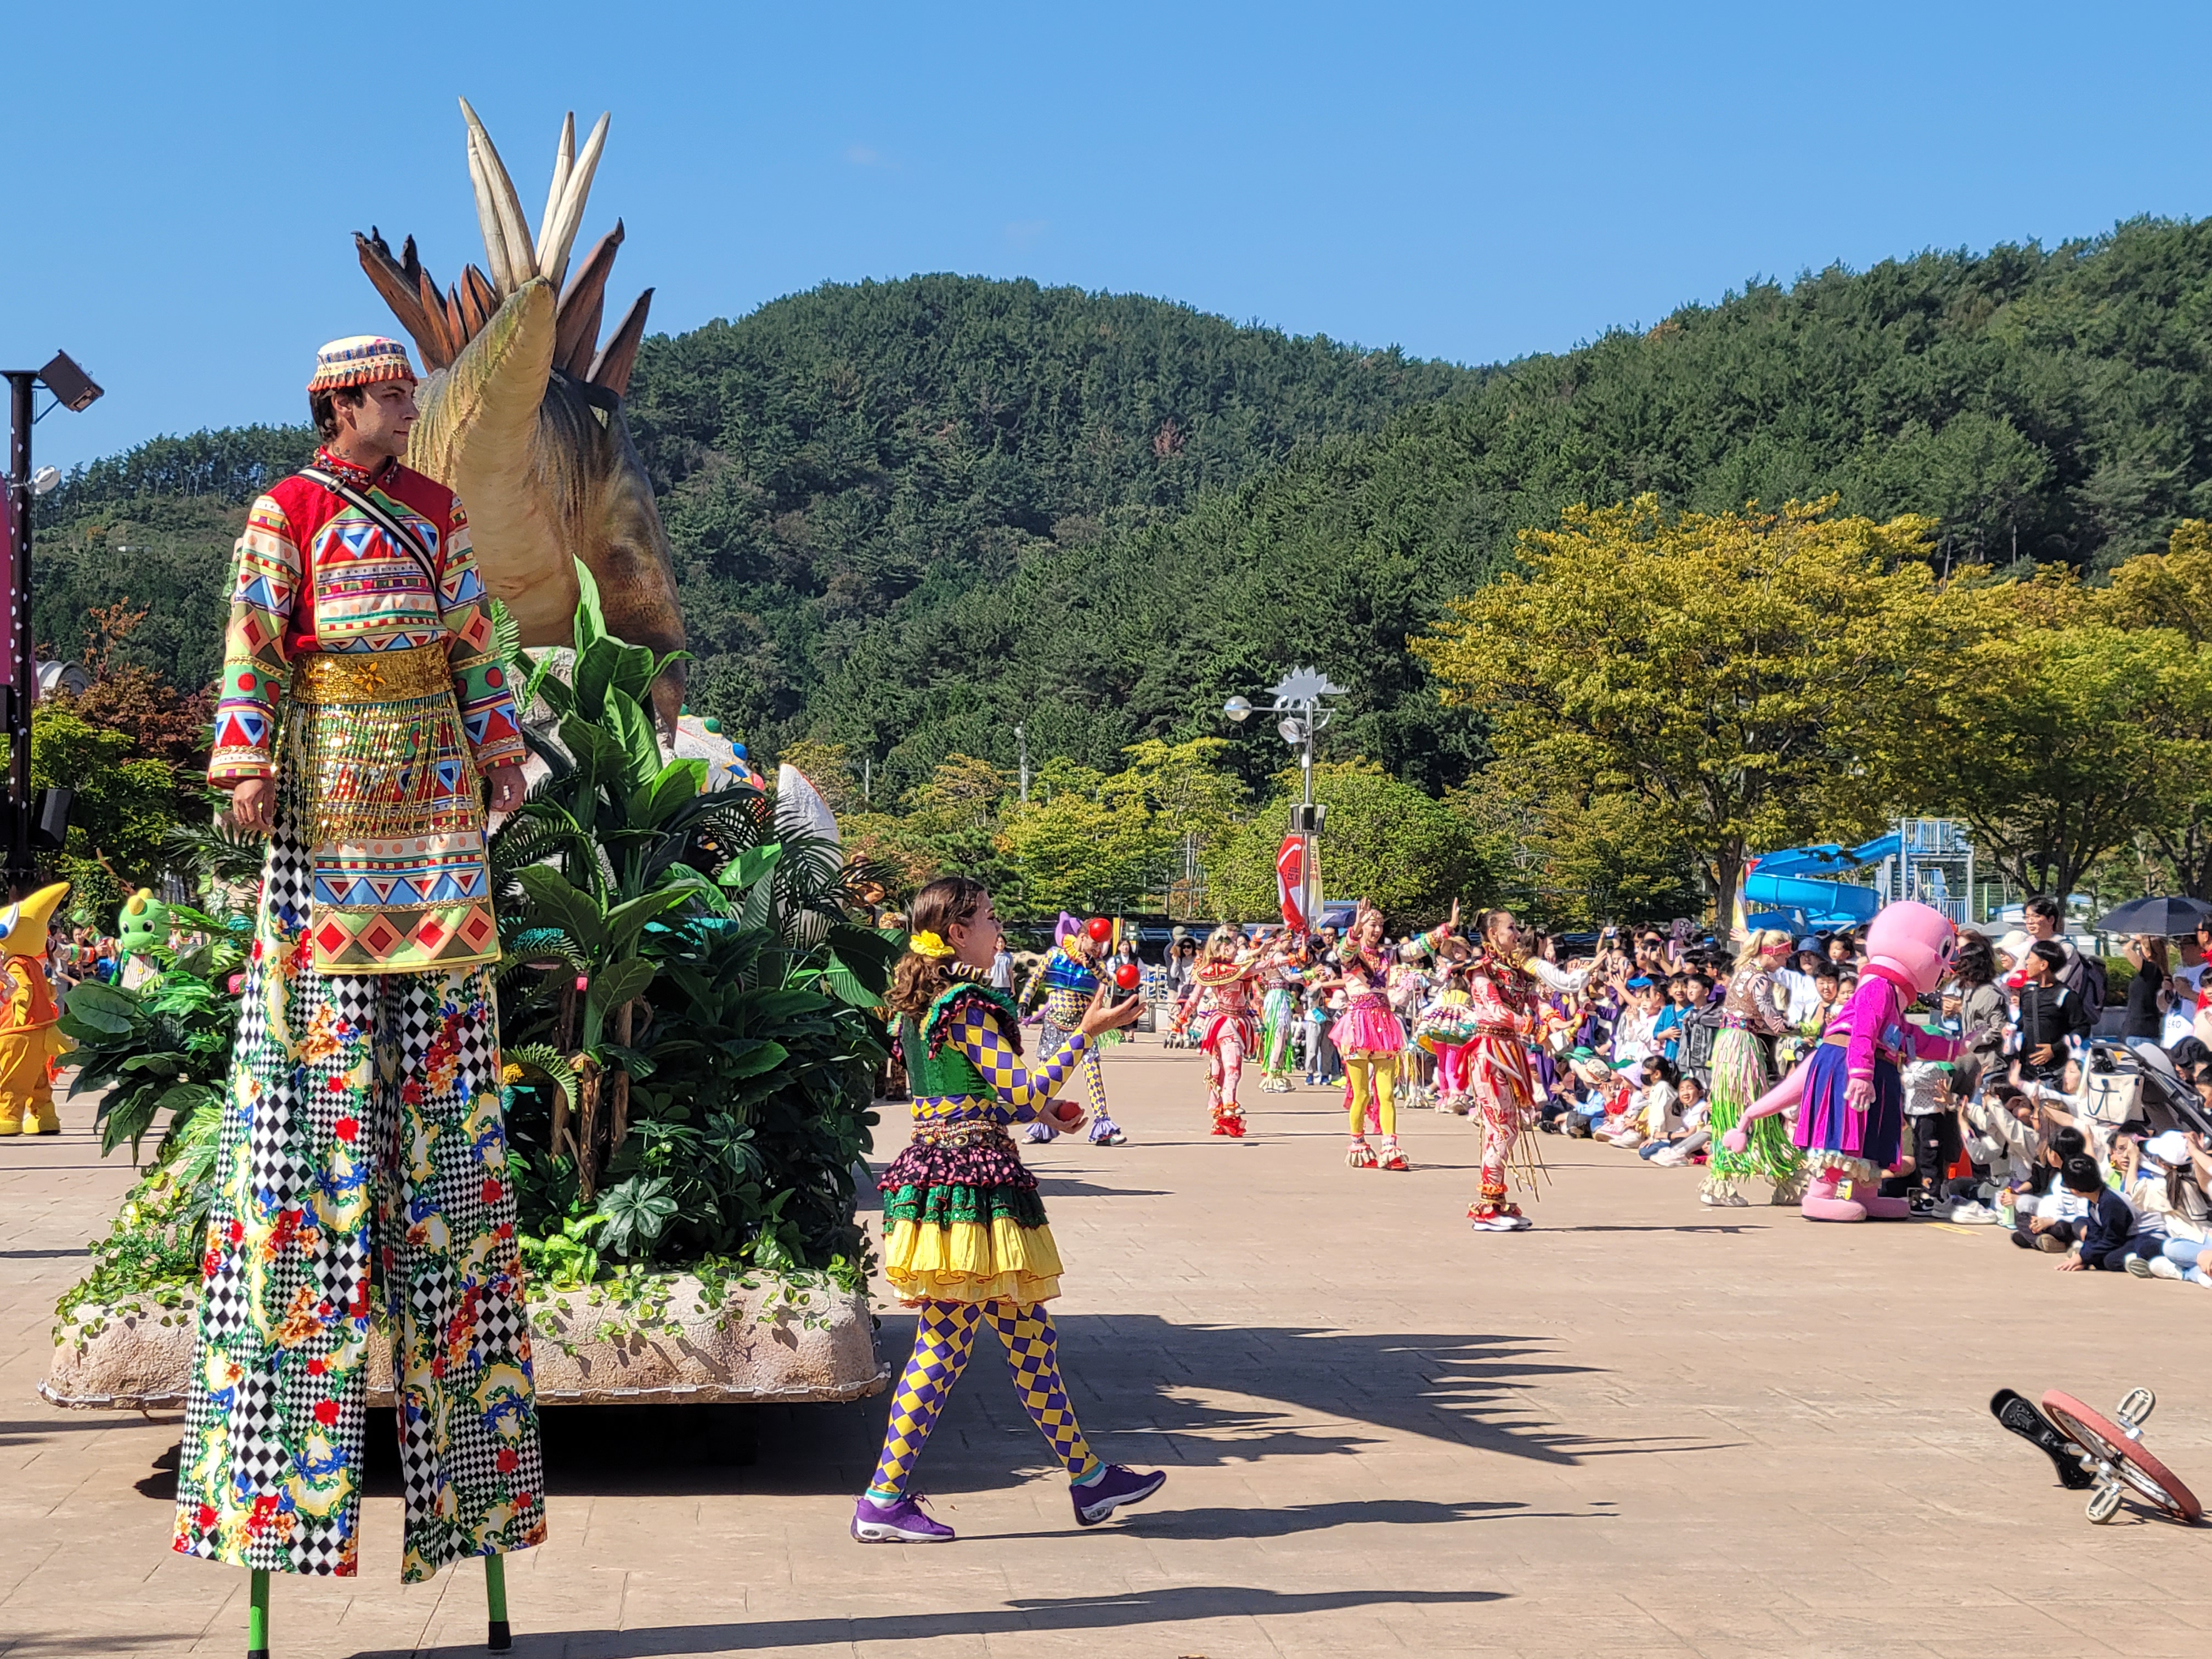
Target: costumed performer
x: 1849, y: 1092
x: 1371, y: 1037
x: 1502, y: 980
x: 965, y: 1241
x: 1223, y: 983
x: 363, y: 1146
x: 1410, y: 981
x: 1447, y: 1025
x: 1755, y: 1013
x: 1070, y: 978
x: 30, y: 1028
x: 1279, y: 981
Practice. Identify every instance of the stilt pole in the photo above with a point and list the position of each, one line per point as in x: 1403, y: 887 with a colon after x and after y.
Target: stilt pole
x: 257, y: 1617
x: 501, y: 1639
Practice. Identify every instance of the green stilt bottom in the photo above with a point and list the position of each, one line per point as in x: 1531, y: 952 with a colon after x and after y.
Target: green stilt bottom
x: 501, y: 1639
x: 257, y: 1617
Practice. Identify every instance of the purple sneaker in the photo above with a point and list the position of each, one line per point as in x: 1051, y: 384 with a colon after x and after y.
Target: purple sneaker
x: 902, y: 1523
x: 1117, y: 1486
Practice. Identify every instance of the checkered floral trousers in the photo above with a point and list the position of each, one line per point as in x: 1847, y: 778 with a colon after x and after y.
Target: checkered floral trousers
x: 362, y: 1169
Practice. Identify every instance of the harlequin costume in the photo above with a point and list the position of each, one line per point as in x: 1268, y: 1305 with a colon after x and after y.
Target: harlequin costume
x: 362, y: 1157
x: 966, y: 1244
x: 1751, y: 1016
x: 1069, y: 984
x: 1227, y: 1032
x: 1503, y: 996
x: 30, y: 1037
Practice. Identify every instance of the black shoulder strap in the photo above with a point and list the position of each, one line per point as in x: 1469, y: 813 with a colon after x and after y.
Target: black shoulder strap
x: 385, y: 521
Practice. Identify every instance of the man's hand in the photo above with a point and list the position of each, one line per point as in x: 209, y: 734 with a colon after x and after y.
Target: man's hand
x: 253, y: 804
x: 2040, y: 1055
x: 508, y: 790
x: 2071, y: 1265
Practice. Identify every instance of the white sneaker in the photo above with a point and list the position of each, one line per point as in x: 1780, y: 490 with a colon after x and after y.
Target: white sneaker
x: 1966, y: 1211
x: 1672, y: 1158
x: 2138, y: 1268
x: 1520, y: 1224
x: 2158, y: 1266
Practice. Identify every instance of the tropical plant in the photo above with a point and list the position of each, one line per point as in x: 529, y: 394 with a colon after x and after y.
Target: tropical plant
x: 166, y: 1048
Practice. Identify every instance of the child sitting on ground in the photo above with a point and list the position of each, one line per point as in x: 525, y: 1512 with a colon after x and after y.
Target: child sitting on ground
x: 1652, y: 1110
x: 2099, y: 1222
x: 1692, y: 1137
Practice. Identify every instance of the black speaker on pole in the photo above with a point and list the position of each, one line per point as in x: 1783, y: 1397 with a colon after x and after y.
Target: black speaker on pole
x: 49, y: 817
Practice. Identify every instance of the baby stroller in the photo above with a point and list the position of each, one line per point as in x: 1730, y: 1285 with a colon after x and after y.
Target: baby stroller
x: 2139, y: 1091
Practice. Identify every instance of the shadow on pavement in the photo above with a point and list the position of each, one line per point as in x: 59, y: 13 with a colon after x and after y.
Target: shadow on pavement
x: 1149, y: 1391
x: 1019, y: 1617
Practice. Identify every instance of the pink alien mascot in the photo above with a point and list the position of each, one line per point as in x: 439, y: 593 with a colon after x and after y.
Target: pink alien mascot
x: 1849, y: 1098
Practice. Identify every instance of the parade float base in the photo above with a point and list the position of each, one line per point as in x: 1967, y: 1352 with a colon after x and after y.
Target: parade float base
x: 661, y: 1340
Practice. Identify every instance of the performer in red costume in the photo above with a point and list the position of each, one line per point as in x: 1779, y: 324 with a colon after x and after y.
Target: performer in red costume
x: 1501, y: 981
x: 1226, y: 985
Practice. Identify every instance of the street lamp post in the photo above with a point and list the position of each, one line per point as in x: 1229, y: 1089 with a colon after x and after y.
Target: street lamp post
x: 73, y: 389
x: 1297, y: 698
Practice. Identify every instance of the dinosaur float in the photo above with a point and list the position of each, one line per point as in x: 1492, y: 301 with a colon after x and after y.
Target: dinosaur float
x: 522, y: 409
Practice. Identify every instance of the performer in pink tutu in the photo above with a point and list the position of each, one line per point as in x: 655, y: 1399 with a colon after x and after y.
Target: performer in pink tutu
x: 1502, y: 980
x: 1849, y: 1092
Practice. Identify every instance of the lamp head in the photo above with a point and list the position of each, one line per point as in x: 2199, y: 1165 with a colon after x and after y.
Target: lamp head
x: 1237, y: 709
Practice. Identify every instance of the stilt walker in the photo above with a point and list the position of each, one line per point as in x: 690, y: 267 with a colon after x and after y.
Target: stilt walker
x: 362, y: 1157
x: 1753, y: 1016
x: 1502, y: 980
x: 965, y: 1241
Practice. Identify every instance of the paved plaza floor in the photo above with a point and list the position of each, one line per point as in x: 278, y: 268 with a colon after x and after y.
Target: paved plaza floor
x: 1645, y: 1428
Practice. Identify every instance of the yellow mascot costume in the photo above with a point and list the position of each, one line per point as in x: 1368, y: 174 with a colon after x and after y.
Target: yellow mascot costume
x: 28, y: 1035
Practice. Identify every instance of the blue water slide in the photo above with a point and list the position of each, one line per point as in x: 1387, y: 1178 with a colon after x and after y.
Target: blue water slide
x: 1784, y: 885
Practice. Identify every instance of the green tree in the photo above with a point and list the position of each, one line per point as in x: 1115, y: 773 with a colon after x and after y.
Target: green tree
x: 2174, y: 590
x: 124, y: 810
x: 1383, y: 840
x: 1741, y: 676
x: 2060, y: 745
x: 1565, y: 856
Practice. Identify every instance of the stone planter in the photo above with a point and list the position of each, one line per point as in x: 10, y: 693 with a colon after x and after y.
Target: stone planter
x: 666, y: 1340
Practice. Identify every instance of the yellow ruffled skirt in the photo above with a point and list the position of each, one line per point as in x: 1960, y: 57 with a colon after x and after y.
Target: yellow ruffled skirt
x: 997, y: 1261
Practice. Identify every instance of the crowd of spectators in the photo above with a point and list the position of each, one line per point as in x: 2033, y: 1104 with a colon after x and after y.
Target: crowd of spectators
x: 2030, y: 1129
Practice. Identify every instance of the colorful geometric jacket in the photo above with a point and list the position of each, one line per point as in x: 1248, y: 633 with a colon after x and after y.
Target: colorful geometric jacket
x: 313, y: 573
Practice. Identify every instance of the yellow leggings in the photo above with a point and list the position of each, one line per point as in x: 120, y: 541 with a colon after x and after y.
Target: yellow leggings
x: 1373, y: 1076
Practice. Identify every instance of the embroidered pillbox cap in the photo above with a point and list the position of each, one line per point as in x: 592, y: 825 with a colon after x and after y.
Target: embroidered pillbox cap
x: 360, y: 359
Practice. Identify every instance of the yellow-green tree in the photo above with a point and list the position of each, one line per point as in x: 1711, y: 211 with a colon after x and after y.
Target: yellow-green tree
x: 2174, y: 590
x: 2060, y: 744
x: 1565, y: 855
x: 1742, y: 677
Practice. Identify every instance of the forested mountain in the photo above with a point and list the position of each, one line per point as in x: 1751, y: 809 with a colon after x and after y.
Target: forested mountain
x: 908, y: 514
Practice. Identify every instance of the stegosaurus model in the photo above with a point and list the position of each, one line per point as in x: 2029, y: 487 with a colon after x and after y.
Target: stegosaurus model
x: 522, y: 410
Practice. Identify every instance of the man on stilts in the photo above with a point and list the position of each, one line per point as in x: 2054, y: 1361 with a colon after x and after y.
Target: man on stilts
x: 362, y: 1157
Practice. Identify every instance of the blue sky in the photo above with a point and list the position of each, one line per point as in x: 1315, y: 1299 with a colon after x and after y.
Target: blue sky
x: 1469, y: 181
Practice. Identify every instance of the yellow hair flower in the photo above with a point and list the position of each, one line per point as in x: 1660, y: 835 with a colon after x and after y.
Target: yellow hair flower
x: 927, y: 945
x: 510, y: 1072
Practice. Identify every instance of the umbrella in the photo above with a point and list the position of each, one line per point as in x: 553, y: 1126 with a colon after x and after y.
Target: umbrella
x: 2161, y: 918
